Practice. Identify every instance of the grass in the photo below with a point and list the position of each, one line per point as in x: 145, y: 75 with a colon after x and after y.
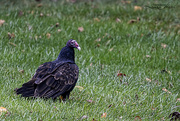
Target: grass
x: 123, y: 47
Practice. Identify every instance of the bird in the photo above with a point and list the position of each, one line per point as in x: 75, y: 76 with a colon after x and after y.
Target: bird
x: 56, y: 78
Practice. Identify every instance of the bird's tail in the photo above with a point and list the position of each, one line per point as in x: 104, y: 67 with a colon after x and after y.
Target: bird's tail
x: 27, y: 89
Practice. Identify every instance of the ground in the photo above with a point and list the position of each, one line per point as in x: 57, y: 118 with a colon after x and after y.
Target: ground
x: 129, y: 59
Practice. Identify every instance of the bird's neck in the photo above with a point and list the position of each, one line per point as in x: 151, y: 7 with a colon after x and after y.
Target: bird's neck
x: 66, y: 54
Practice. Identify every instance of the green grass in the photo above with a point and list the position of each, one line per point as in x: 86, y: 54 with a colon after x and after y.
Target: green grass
x: 130, y: 96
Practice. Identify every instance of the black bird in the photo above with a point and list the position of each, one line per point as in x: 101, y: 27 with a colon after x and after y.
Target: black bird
x: 56, y: 78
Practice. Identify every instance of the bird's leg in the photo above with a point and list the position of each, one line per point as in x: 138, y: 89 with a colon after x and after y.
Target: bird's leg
x: 60, y: 98
x: 65, y: 96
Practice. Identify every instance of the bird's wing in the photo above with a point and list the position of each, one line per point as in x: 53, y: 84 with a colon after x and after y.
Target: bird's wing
x: 53, y: 81
x: 43, y: 71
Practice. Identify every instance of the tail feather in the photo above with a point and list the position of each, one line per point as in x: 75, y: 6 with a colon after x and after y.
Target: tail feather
x: 28, y: 94
x: 27, y: 89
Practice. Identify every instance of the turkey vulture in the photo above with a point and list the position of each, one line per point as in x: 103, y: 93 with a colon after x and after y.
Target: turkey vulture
x: 55, y: 78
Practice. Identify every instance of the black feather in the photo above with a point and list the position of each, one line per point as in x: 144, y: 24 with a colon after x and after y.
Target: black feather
x: 55, y: 78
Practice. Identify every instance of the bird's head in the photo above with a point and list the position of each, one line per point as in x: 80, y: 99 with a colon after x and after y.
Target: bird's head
x: 72, y: 43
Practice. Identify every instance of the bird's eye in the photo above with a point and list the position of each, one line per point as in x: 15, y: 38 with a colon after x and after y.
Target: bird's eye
x: 72, y: 42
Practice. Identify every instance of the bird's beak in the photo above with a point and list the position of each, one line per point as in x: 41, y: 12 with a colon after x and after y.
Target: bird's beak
x: 79, y: 48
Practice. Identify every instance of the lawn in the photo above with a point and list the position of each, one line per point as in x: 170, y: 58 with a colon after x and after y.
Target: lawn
x: 129, y: 60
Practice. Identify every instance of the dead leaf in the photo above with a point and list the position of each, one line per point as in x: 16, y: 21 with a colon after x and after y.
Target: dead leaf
x: 2, y: 22
x: 90, y: 101
x: 110, y: 105
x: 96, y: 19
x: 48, y: 35
x: 118, y: 20
x: 169, y: 72
x: 32, y: 12
x: 152, y: 108
x: 84, y: 117
x: 164, y: 89
x: 132, y: 21
x: 178, y: 100
x: 12, y: 44
x: 121, y: 74
x: 57, y: 24
x: 59, y: 30
x: 125, y: 83
x: 102, y: 66
x: 147, y: 79
x: 171, y: 85
x: 162, y: 119
x: 111, y: 49
x: 3, y: 110
x: 106, y: 34
x: 163, y: 45
x: 138, y: 19
x: 137, y: 118
x: 125, y: 2
x: 98, y: 40
x: 137, y: 8
x: 98, y: 45
x: 39, y: 5
x: 79, y: 87
x: 36, y: 37
x: 104, y: 115
x: 148, y: 56
x: 41, y: 14
x: 124, y: 103
x: 21, y: 71
x: 156, y: 82
x: 11, y: 35
x: 164, y: 71
x: 80, y: 29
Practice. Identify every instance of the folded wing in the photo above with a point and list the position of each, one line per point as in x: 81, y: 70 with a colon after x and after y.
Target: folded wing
x: 51, y: 80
